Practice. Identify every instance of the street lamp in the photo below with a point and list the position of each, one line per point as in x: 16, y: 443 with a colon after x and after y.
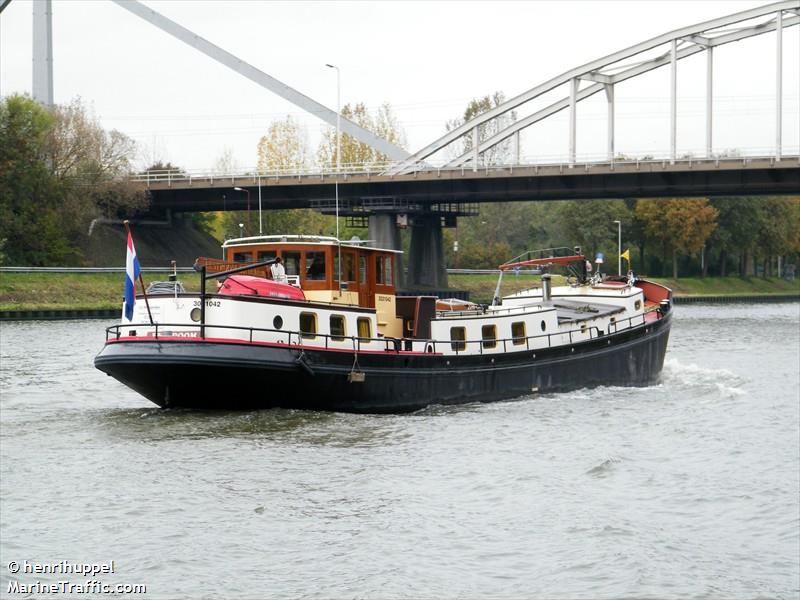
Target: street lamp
x: 619, y: 247
x: 241, y: 230
x: 238, y: 189
x: 338, y: 160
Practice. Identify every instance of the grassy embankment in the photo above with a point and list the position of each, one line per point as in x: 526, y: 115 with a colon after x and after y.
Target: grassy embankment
x: 42, y: 291
x: 481, y: 287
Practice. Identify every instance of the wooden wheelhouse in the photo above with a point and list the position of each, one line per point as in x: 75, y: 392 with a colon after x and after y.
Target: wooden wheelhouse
x: 368, y: 275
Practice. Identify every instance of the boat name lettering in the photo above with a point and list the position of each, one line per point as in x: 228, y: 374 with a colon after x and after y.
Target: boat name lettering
x: 208, y: 303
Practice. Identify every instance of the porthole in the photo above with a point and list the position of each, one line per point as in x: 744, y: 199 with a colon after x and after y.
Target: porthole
x: 195, y: 314
x: 543, y: 325
x: 277, y: 322
x: 637, y: 305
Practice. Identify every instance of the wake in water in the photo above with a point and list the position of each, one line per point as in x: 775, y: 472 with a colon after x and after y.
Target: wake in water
x: 696, y: 379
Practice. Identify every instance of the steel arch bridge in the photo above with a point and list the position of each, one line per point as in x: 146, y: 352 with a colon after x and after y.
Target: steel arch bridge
x: 603, y: 74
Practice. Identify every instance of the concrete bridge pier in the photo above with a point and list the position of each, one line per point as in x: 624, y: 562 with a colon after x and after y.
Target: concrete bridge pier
x: 426, y: 261
x: 384, y: 232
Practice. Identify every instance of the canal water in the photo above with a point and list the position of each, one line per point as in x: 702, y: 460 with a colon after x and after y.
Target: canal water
x: 690, y: 488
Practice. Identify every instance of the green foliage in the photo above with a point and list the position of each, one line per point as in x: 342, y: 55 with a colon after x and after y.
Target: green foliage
x: 58, y: 171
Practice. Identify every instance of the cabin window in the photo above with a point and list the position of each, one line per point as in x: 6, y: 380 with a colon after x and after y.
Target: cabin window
x: 315, y: 266
x: 266, y: 255
x: 383, y: 270
x: 291, y: 262
x: 308, y: 325
x: 637, y: 305
x: 543, y: 325
x: 277, y: 322
x: 349, y: 261
x: 349, y: 272
x: 518, y: 332
x: 458, y: 336
x: 379, y: 269
x: 388, y: 270
x: 362, y: 269
x: 489, y: 336
x: 364, y: 328
x: 242, y: 257
x: 337, y: 327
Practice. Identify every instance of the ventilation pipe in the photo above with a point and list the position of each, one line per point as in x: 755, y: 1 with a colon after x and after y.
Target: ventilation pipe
x: 546, y: 287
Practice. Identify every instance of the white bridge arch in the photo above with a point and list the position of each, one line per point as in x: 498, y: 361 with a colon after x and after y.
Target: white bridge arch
x: 603, y: 73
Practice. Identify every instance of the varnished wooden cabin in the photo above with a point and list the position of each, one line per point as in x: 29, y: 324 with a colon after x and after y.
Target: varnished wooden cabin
x: 368, y: 275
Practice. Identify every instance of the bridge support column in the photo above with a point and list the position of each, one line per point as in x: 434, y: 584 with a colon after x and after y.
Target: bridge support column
x: 426, y: 266
x: 384, y: 232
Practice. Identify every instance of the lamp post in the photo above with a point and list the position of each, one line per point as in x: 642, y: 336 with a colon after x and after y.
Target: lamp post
x: 338, y: 139
x: 238, y: 189
x: 338, y: 161
x: 619, y: 247
x: 241, y: 230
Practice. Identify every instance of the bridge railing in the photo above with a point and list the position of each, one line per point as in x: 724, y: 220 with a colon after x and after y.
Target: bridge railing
x: 561, y: 162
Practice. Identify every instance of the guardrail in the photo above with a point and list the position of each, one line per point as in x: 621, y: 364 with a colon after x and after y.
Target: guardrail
x: 375, y: 169
x: 390, y: 344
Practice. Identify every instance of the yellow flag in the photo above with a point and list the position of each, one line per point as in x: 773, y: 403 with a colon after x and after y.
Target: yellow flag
x: 626, y: 255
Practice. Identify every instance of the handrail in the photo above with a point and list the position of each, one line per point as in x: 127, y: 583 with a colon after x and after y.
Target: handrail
x: 646, y: 158
x: 390, y: 344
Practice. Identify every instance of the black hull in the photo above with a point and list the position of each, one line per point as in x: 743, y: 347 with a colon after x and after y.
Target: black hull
x: 231, y: 376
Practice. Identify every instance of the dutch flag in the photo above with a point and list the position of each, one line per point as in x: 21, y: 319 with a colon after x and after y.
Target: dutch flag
x: 132, y: 270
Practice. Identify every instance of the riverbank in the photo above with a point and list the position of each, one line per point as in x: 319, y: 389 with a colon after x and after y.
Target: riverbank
x: 64, y: 293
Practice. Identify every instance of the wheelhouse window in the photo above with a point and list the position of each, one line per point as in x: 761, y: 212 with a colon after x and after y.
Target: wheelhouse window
x: 362, y: 269
x: 266, y: 255
x: 364, y: 327
x: 337, y: 327
x: 387, y: 269
x: 518, y: 333
x: 379, y: 275
x: 489, y: 336
x: 349, y: 261
x: 383, y: 270
x: 308, y: 325
x: 242, y: 257
x: 315, y: 266
x: 458, y: 337
x: 349, y: 271
x: 291, y: 262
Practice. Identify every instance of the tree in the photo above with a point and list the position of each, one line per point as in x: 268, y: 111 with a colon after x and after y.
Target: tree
x: 284, y: 147
x: 499, y: 154
x: 59, y: 170
x: 355, y: 153
x: 590, y: 224
x: 682, y: 225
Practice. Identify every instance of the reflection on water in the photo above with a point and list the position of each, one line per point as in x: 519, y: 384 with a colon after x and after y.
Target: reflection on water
x: 686, y: 488
x: 275, y: 425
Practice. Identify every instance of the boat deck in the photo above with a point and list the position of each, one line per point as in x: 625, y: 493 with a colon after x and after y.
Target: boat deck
x: 572, y: 311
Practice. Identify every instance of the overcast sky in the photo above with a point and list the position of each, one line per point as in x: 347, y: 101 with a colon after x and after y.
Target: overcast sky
x: 427, y: 59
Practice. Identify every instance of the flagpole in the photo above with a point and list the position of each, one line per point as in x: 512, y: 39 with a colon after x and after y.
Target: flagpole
x: 141, y: 281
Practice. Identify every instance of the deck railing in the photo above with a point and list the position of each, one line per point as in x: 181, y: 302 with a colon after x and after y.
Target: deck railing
x: 163, y: 331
